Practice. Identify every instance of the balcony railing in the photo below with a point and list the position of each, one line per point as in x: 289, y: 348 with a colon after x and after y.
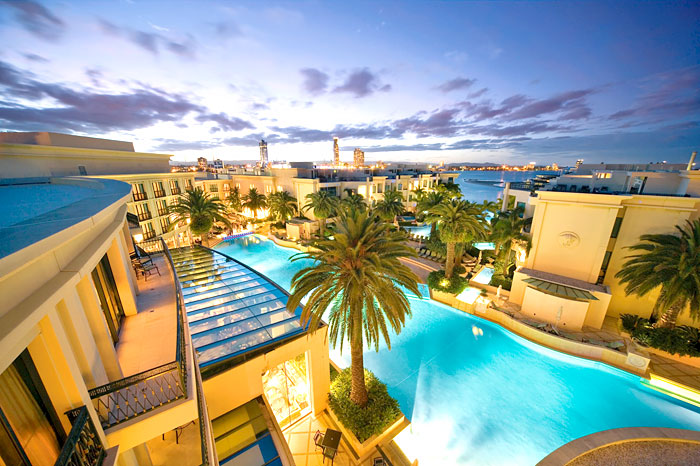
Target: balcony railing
x: 174, y: 191
x: 124, y: 399
x: 159, y: 193
x: 140, y: 196
x: 162, y: 212
x: 83, y: 446
x: 143, y: 216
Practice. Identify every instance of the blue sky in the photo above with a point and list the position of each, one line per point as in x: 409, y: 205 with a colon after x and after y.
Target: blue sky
x: 502, y: 82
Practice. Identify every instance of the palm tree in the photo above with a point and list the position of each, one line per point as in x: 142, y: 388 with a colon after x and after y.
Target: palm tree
x: 451, y: 190
x: 419, y: 193
x: 234, y: 199
x: 390, y: 206
x: 670, y: 262
x: 506, y: 234
x: 426, y: 203
x: 324, y: 206
x: 254, y: 201
x: 283, y: 206
x: 356, y: 278
x: 459, y: 222
x: 354, y: 201
x: 201, y: 210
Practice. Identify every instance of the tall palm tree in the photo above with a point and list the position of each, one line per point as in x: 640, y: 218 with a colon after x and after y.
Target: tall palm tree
x: 426, y: 203
x: 324, y: 205
x: 451, y: 190
x: 419, y: 193
x: 507, y: 234
x: 356, y: 278
x: 390, y: 206
x: 254, y: 201
x: 459, y: 222
x: 201, y: 210
x: 670, y: 263
x: 235, y: 200
x: 354, y: 201
x: 282, y: 205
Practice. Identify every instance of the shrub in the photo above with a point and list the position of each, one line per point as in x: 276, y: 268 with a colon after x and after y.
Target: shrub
x: 683, y: 340
x: 459, y: 269
x: 500, y: 280
x: 379, y: 413
x: 455, y: 286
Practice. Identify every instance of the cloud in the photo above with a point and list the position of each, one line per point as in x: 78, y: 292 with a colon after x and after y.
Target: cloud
x: 455, y: 84
x: 478, y: 93
x: 361, y: 83
x: 150, y: 41
x: 178, y: 145
x: 457, y: 56
x: 315, y: 81
x: 227, y: 29
x: 572, y: 103
x: 35, y: 58
x: 66, y: 109
x: 37, y: 19
x: 225, y: 122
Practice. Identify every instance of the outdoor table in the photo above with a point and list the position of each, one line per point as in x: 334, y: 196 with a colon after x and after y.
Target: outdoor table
x: 331, y: 440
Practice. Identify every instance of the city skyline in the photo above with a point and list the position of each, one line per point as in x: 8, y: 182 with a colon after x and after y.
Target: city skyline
x: 468, y: 82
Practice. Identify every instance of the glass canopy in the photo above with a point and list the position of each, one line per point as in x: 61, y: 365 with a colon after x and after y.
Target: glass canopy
x: 231, y: 309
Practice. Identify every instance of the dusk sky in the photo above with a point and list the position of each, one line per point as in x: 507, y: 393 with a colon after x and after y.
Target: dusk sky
x: 417, y: 81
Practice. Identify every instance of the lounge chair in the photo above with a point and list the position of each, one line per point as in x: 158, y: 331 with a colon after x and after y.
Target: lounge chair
x: 146, y: 269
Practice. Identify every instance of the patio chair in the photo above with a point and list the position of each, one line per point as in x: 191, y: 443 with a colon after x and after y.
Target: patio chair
x: 318, y: 440
x: 329, y: 453
x: 146, y: 269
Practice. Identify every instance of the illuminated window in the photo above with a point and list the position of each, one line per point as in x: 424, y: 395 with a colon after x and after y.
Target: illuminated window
x: 268, y: 189
x: 251, y: 186
x: 602, y: 176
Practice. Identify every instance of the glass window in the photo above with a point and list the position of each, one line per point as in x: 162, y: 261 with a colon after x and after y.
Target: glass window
x: 108, y: 295
x: 30, y: 432
x: 400, y: 186
x: 616, y: 227
x: 213, y: 188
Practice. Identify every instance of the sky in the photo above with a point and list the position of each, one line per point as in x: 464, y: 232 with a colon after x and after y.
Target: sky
x: 499, y: 82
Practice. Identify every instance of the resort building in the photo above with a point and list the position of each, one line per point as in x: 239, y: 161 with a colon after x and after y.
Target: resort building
x: 582, y: 225
x: 154, y: 186
x: 184, y: 357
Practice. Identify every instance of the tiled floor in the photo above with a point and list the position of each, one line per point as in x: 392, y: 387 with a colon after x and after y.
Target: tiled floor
x: 300, y: 438
x: 186, y: 452
x: 148, y: 339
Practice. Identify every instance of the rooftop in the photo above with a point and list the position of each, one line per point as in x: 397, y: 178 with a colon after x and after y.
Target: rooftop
x: 45, y: 138
x: 34, y: 209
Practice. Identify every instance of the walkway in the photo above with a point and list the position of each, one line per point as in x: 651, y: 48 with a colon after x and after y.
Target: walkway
x: 148, y: 339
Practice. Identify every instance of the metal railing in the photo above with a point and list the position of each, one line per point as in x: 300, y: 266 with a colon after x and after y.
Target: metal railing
x: 162, y: 212
x: 83, y: 446
x: 124, y: 399
x: 140, y: 196
x: 149, y: 234
x: 144, y: 216
x: 159, y: 193
x: 174, y: 191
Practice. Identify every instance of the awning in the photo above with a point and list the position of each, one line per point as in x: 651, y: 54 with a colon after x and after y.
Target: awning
x: 560, y: 290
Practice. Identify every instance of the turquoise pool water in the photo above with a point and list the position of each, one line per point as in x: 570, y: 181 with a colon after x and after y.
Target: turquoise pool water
x: 423, y: 230
x: 484, y: 276
x: 479, y: 395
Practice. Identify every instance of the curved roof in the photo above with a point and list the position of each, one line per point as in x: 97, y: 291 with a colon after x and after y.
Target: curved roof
x: 32, y: 209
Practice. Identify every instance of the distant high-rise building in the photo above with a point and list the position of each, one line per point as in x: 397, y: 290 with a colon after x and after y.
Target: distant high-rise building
x: 202, y: 162
x: 358, y: 158
x: 263, y: 153
x: 555, y: 166
x: 579, y: 162
x: 336, y: 152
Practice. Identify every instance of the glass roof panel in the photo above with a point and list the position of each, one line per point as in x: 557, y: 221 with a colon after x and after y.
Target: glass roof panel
x: 231, y: 309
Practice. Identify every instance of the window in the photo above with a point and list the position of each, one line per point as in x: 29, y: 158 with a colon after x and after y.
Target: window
x: 30, y: 429
x: 162, y: 207
x: 238, y: 185
x: 174, y: 187
x: 400, y: 186
x: 616, y: 227
x: 603, y: 176
x: 188, y: 184
x: 379, y: 188
x: 82, y: 170
x: 251, y: 186
x: 165, y: 224
x: 142, y: 212
x: 279, y: 189
x: 268, y: 189
x: 158, y: 189
x: 148, y: 231
x: 139, y: 192
x: 425, y: 183
x: 213, y: 188
x: 604, y: 267
x: 108, y: 295
x: 227, y: 187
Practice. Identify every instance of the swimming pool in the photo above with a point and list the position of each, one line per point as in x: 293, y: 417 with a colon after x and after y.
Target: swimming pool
x: 478, y: 394
x: 484, y: 276
x: 423, y: 230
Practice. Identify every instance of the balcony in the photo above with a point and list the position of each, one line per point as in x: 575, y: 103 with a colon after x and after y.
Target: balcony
x: 162, y: 212
x: 149, y: 234
x: 175, y: 191
x: 140, y: 196
x: 159, y: 193
x: 143, y: 216
x: 83, y: 446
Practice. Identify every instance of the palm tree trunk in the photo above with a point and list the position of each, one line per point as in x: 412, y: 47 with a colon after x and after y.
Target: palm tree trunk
x: 358, y: 390
x: 450, y: 260
x: 433, y: 229
x: 669, y: 317
x: 205, y: 238
x: 321, y: 227
x: 459, y: 253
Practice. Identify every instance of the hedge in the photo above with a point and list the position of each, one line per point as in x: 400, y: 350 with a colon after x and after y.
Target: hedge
x: 456, y: 284
x: 379, y: 413
x: 505, y: 282
x: 682, y: 340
